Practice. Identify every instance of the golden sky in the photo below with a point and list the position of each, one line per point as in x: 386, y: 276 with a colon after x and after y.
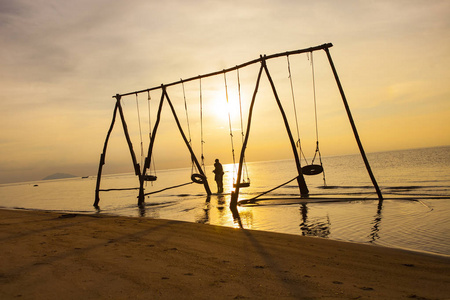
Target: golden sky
x: 62, y: 61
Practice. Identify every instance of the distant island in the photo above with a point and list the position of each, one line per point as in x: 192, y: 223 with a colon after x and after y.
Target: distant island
x: 59, y: 176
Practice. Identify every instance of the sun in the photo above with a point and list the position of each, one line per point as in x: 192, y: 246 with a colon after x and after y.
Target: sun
x: 224, y: 110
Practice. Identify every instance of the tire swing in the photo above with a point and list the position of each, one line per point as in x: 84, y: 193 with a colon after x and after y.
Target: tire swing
x: 313, y: 169
x: 245, y: 182
x: 308, y: 169
x: 198, y: 178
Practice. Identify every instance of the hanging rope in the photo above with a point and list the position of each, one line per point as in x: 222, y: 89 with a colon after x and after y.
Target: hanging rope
x: 298, y: 143
x: 229, y: 124
x: 240, y: 104
x: 186, y: 110
x: 201, y: 127
x: 242, y: 124
x: 140, y: 129
x: 315, y: 118
x: 188, y: 126
x: 149, y: 98
x: 315, y: 102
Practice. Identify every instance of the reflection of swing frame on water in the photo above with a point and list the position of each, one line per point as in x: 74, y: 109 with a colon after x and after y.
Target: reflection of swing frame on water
x: 241, y: 180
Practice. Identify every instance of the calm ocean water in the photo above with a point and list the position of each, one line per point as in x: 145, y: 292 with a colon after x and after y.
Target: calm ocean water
x: 414, y: 215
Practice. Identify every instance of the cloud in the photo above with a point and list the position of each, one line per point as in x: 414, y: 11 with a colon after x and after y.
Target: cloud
x: 61, y: 62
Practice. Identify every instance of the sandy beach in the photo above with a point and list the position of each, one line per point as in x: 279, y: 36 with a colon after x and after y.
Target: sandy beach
x: 47, y: 255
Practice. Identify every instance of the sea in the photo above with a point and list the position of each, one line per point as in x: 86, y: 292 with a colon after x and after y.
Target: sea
x: 342, y: 204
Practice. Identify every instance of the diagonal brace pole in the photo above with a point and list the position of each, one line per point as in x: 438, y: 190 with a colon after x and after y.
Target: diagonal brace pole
x: 235, y: 194
x: 352, y: 123
x: 300, y: 179
x: 103, y: 156
x: 147, y: 162
x: 194, y: 158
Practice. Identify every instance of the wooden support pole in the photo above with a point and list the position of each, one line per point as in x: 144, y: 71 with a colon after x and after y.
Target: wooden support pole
x: 194, y: 158
x: 103, y: 156
x: 148, y: 159
x: 235, y: 194
x: 352, y: 123
x: 300, y: 179
x: 137, y: 168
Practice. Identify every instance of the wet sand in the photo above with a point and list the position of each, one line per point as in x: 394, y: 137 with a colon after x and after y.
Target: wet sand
x: 66, y: 256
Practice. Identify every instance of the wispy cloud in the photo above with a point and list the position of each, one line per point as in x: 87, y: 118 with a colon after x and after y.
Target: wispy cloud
x: 61, y: 61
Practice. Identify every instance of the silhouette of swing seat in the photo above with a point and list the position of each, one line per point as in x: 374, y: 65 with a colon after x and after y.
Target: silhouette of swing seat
x: 198, y: 178
x: 150, y: 177
x: 312, y: 169
x: 242, y: 184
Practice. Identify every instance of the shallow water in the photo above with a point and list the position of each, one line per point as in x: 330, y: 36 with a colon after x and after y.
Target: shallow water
x: 414, y: 214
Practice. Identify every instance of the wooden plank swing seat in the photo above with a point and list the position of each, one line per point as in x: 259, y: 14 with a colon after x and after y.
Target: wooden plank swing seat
x: 150, y: 177
x: 242, y: 184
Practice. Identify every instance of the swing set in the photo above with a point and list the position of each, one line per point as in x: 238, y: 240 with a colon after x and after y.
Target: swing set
x: 146, y: 170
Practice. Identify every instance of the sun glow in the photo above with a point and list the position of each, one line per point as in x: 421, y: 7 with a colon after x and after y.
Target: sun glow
x: 225, y: 110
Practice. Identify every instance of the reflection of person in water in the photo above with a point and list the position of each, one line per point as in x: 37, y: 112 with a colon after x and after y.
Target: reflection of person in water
x: 218, y: 170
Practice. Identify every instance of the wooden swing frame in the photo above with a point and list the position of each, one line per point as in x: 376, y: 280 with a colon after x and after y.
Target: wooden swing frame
x: 304, y: 192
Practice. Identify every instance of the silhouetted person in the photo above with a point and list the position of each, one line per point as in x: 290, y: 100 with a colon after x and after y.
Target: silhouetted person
x: 218, y: 171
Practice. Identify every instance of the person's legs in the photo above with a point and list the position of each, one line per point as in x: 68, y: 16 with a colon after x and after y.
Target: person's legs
x: 220, y: 186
